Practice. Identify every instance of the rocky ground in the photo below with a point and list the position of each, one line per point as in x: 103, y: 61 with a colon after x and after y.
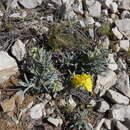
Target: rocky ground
x: 43, y: 43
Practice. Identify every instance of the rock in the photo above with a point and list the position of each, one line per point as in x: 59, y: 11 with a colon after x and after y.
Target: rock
x: 124, y: 45
x: 120, y: 112
x: 125, y: 14
x: 105, y: 12
x: 117, y: 33
x: 72, y: 103
x: 112, y: 64
x: 29, y: 4
x: 114, y: 7
x: 107, y: 124
x: 1, y: 14
x: 37, y: 111
x: 55, y: 121
x: 14, y: 4
x: 116, y: 97
x: 89, y: 21
x: 95, y: 9
x: 92, y: 103
x: 105, y: 81
x: 121, y: 64
x: 124, y: 26
x: 99, y: 125
x: 8, y: 68
x: 105, y: 42
x: 108, y: 3
x: 8, y: 105
x: 120, y: 126
x: 123, y: 84
x: 103, y: 106
x: 18, y: 50
x: 124, y: 4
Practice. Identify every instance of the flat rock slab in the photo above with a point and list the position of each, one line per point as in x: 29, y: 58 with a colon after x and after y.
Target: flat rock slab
x: 8, y: 67
x: 124, y: 26
x: 116, y: 97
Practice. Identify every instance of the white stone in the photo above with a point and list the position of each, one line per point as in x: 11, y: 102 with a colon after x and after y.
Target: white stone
x: 120, y: 112
x: 18, y: 50
x: 112, y: 64
x: 105, y: 81
x: 125, y: 14
x: 108, y: 3
x: 107, y: 124
x: 124, y: 4
x: 8, y: 67
x: 123, y: 83
x: 99, y: 125
x: 116, y: 97
x: 114, y: 7
x: 120, y: 126
x: 14, y: 4
x: 124, y: 26
x: 122, y: 64
x: 95, y: 9
x: 55, y: 121
x: 124, y: 45
x: 89, y: 21
x: 105, y: 12
x: 103, y: 106
x: 72, y: 103
x: 117, y: 33
x: 29, y: 4
x: 1, y: 13
x: 105, y: 42
x: 37, y: 111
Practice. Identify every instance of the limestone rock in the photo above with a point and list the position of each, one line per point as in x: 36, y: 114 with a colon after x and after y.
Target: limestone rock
x: 124, y: 26
x: 124, y: 45
x: 123, y: 84
x: 105, y: 81
x: 55, y: 121
x: 116, y: 97
x: 117, y: 33
x: 103, y: 106
x: 125, y: 14
x: 95, y: 9
x: 18, y: 50
x: 37, y: 111
x: 8, y: 68
x: 114, y: 7
x: 112, y: 64
x: 120, y: 126
x: 107, y: 124
x: 124, y: 4
x: 29, y: 4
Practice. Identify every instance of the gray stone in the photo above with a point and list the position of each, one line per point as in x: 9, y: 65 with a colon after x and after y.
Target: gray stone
x: 107, y: 124
x: 55, y: 121
x: 108, y: 3
x: 72, y: 103
x: 114, y: 7
x: 95, y: 9
x: 124, y: 26
x: 120, y: 126
x: 105, y: 81
x: 105, y: 42
x: 124, y: 45
x: 99, y: 125
x: 117, y: 33
x: 112, y: 64
x: 120, y: 112
x: 123, y: 84
x: 125, y: 14
x: 18, y: 50
x: 116, y: 97
x: 29, y: 4
x: 8, y: 67
x: 121, y: 64
x: 103, y: 106
x: 37, y: 111
x: 124, y: 4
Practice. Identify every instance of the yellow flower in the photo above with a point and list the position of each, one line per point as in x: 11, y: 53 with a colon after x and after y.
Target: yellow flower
x: 83, y: 80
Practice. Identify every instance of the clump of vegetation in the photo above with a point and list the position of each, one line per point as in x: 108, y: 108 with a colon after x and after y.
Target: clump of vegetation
x: 44, y: 75
x: 85, y: 60
x: 66, y: 35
